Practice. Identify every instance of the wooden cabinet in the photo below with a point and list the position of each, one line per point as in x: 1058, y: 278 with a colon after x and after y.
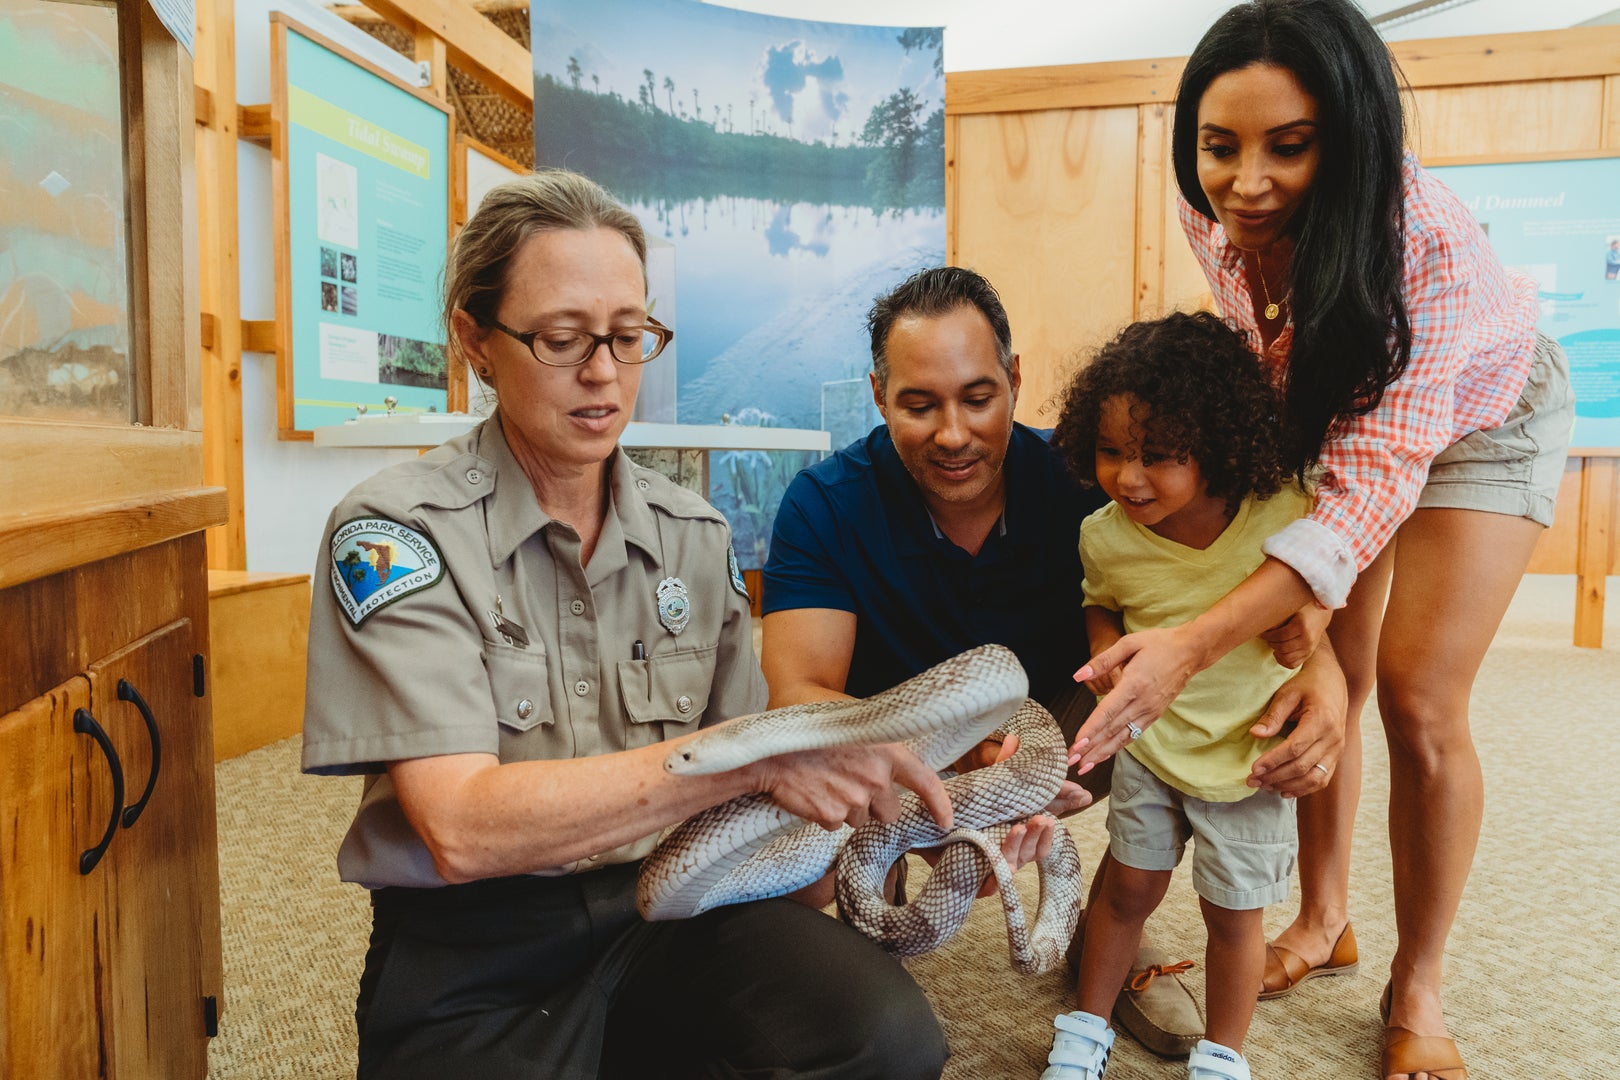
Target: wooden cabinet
x: 109, y: 882
x: 162, y: 866
x: 109, y: 962
x: 52, y: 793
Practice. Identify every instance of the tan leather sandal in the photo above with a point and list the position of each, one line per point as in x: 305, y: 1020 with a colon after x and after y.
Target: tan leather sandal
x: 1406, y: 1053
x: 1285, y: 971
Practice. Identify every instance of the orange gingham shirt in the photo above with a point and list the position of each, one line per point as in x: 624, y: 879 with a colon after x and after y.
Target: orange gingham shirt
x: 1473, y: 337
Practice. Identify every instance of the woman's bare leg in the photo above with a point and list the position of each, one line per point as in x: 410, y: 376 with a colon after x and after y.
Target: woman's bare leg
x: 1327, y: 819
x: 1455, y: 573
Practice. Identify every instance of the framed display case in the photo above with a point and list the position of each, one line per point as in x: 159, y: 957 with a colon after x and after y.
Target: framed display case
x: 108, y: 850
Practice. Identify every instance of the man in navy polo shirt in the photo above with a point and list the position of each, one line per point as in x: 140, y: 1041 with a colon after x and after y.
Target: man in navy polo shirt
x: 949, y: 527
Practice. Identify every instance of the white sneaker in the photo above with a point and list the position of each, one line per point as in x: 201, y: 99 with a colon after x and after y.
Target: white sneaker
x: 1080, y: 1048
x: 1212, y: 1061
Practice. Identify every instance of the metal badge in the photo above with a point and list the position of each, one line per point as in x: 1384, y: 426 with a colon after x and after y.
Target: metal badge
x: 674, y: 605
x: 510, y: 631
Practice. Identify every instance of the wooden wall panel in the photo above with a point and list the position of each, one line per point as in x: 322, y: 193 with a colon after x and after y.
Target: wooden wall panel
x: 1611, y: 112
x: 1154, y: 180
x: 1507, y: 119
x: 1182, y: 284
x: 1045, y: 208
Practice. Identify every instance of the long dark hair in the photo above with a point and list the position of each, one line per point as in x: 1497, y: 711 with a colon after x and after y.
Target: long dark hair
x: 1352, y: 337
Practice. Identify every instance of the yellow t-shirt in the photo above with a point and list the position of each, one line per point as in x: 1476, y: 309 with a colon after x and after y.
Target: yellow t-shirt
x: 1201, y: 745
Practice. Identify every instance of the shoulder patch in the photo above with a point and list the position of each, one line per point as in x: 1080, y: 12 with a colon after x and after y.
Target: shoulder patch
x: 736, y: 574
x: 376, y: 561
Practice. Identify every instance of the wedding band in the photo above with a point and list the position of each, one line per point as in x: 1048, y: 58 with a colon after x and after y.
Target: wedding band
x: 1136, y: 732
x: 1318, y: 765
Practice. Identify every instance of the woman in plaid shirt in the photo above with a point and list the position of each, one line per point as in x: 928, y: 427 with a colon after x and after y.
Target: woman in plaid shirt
x: 1435, y: 419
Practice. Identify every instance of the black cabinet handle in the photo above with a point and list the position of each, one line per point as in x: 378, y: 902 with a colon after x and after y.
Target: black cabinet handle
x: 127, y: 692
x: 85, y: 724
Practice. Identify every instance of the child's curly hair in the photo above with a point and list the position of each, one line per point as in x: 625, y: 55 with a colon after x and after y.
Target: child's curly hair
x: 1205, y: 397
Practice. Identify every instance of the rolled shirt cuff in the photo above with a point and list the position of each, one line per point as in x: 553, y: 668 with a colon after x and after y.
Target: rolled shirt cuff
x: 1319, y: 556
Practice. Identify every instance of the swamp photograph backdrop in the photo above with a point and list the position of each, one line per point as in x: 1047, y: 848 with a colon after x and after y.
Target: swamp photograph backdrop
x: 796, y: 169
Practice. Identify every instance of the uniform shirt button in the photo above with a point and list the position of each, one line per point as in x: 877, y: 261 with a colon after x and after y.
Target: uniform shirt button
x: 643, y: 485
x: 577, y: 607
x: 525, y: 709
x: 582, y: 688
x: 683, y: 703
x: 474, y: 476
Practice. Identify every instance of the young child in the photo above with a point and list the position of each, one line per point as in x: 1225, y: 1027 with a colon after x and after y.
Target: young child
x: 1176, y: 422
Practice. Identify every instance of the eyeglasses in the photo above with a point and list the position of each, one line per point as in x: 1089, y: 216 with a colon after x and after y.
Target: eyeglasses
x: 569, y: 347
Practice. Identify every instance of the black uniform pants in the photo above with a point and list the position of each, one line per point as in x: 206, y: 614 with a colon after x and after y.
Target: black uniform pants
x: 552, y: 978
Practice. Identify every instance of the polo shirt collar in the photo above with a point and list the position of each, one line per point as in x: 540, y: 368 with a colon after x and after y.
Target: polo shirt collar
x: 1001, y: 522
x: 901, y: 487
x: 513, y: 514
x: 914, y: 538
x: 629, y: 503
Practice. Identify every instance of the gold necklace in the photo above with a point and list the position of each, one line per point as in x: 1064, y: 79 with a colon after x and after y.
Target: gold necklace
x: 1271, y: 310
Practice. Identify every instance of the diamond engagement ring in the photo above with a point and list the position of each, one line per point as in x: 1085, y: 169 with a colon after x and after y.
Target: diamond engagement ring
x: 1319, y: 765
x: 1136, y: 732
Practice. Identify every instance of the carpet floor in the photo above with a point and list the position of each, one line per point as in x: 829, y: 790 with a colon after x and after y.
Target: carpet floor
x: 1532, y: 983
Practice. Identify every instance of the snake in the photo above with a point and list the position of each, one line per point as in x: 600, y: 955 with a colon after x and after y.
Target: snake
x: 748, y: 848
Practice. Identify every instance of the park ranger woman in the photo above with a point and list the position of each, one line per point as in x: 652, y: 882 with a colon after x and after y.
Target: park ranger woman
x: 509, y: 635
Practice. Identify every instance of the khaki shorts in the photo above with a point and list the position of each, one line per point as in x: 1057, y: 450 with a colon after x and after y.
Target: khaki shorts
x: 1514, y: 468
x: 1245, y: 850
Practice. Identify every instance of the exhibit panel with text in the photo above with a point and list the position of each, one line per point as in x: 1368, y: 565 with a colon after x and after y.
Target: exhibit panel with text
x: 368, y: 213
x: 1559, y: 222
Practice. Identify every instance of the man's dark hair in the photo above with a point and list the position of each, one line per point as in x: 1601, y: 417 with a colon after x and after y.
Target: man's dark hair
x: 1200, y: 395
x: 930, y: 294
x: 1352, y: 336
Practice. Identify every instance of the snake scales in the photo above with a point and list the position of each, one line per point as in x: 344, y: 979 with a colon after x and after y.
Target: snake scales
x: 749, y: 848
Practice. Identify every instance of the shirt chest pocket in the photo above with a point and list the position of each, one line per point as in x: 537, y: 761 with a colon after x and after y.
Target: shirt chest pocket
x: 520, y: 690
x: 670, y: 690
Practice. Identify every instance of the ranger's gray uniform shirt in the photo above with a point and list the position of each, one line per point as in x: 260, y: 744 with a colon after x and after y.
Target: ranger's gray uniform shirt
x: 428, y: 562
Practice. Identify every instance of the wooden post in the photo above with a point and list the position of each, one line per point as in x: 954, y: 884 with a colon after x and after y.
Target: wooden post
x: 1596, y: 556
x: 220, y: 285
x: 430, y: 49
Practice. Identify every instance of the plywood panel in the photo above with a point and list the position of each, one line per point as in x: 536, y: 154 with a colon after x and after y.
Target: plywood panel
x: 258, y: 626
x: 1153, y: 176
x: 1063, y: 86
x: 1181, y: 285
x: 1611, y: 112
x: 1506, y: 119
x: 1428, y: 63
x: 1046, y: 209
x: 1500, y: 58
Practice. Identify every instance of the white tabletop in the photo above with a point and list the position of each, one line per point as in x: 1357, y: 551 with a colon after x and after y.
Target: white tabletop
x: 423, y: 430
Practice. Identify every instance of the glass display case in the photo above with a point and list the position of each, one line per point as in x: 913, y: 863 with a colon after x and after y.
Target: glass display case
x: 65, y: 342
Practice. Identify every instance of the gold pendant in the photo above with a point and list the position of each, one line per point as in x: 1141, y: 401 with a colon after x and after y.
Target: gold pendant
x: 1271, y: 311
